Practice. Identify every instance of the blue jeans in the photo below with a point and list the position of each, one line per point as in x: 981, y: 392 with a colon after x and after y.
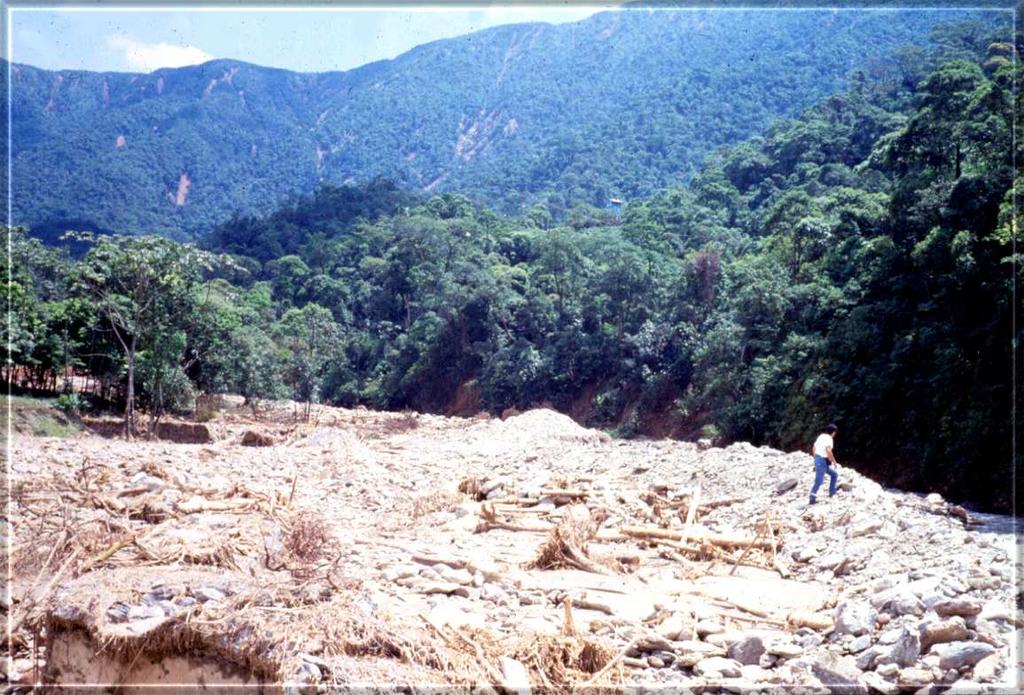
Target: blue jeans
x: 821, y: 467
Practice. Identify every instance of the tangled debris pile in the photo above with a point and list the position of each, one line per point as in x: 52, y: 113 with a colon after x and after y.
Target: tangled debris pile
x: 376, y: 548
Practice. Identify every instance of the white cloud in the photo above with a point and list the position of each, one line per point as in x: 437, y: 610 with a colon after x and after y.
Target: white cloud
x: 147, y: 57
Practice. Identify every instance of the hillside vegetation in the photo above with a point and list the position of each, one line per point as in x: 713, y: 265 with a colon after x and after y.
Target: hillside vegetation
x: 852, y: 264
x: 622, y: 104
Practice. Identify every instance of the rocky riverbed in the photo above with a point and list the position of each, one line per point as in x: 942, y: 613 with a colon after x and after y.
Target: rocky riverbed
x: 382, y: 548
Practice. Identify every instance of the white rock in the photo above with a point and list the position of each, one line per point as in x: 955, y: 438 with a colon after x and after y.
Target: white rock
x: 786, y: 650
x: 709, y: 627
x: 860, y: 644
x: 839, y: 674
x: 890, y: 636
x: 466, y: 509
x: 865, y: 526
x: 448, y: 588
x: 145, y: 612
x: 888, y: 670
x: 987, y: 670
x: 493, y: 484
x: 514, y: 677
x: 144, y: 625
x: 673, y: 625
x: 914, y: 678
x: 754, y: 673
x: 461, y: 577
x: 717, y: 666
x: 547, y: 504
x: 308, y: 673
x: 876, y: 682
x: 907, y: 648
x: 697, y: 647
x: 831, y: 561
x: 996, y: 610
x: 446, y: 614
x: 746, y: 651
x: 805, y: 554
x: 493, y: 593
x: 208, y: 593
x: 855, y: 618
x: 150, y: 482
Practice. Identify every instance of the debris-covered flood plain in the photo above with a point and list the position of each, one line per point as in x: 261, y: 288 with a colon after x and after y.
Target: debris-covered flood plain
x: 396, y: 549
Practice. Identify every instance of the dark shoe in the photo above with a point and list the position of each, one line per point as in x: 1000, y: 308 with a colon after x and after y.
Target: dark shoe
x: 813, y: 501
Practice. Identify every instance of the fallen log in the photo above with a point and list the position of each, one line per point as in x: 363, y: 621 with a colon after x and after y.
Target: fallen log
x: 734, y: 604
x: 490, y: 525
x: 746, y: 551
x: 691, y: 512
x: 695, y: 533
x: 490, y: 521
x: 196, y: 504
x: 518, y: 509
x: 755, y: 620
x: 587, y: 604
x: 558, y: 492
x: 715, y: 504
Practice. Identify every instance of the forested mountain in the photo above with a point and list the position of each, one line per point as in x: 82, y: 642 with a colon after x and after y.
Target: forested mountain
x: 622, y: 104
x: 855, y: 264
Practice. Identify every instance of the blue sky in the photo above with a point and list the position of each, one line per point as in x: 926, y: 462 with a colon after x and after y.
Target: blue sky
x: 313, y: 39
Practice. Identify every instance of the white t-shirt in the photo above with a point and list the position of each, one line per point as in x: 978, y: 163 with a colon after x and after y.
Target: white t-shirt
x: 821, y: 443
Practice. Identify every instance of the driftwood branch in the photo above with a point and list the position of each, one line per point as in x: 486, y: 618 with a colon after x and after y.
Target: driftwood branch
x: 696, y: 533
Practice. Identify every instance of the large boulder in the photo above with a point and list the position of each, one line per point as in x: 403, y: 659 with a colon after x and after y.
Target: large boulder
x: 958, y: 606
x: 747, y: 651
x: 956, y: 655
x: 907, y: 648
x: 676, y: 626
x: 899, y: 600
x: 950, y: 630
x: 717, y: 666
x: 839, y: 674
x: 855, y: 618
x: 914, y: 678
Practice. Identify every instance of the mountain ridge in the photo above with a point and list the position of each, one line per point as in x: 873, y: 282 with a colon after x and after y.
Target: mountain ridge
x: 623, y: 103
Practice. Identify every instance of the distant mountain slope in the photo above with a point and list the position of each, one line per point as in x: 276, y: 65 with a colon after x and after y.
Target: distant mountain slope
x: 623, y: 103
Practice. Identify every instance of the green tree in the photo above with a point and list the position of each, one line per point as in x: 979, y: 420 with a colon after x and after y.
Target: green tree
x: 143, y: 287
x: 311, y: 339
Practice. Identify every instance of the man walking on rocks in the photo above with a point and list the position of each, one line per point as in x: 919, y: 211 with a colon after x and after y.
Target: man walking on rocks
x: 824, y: 459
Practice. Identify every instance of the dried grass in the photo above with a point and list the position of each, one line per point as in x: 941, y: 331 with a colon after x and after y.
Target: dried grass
x: 440, y: 501
x: 262, y: 630
x: 254, y: 438
x: 471, y: 487
x: 566, y: 544
x: 307, y: 537
x: 562, y: 661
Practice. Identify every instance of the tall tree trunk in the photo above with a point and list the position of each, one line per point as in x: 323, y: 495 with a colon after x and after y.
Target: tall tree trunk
x: 129, y: 405
x: 156, y: 410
